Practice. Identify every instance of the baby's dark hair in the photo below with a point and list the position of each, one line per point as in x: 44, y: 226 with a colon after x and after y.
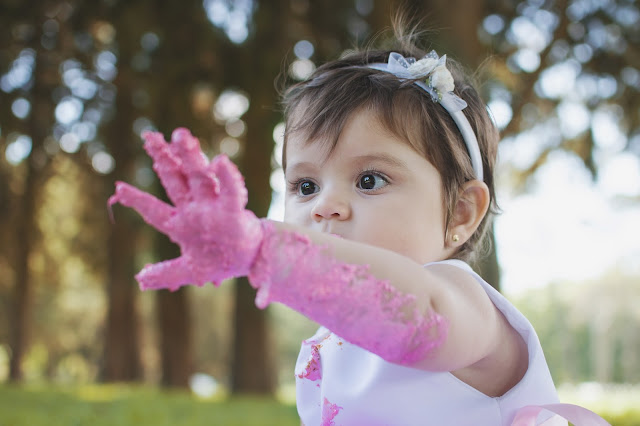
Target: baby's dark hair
x: 318, y: 108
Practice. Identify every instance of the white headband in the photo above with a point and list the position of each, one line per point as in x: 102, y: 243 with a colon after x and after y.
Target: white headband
x: 437, y: 82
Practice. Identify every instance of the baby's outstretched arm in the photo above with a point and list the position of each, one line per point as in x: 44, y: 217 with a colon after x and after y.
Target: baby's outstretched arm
x: 307, y: 271
x: 372, y: 297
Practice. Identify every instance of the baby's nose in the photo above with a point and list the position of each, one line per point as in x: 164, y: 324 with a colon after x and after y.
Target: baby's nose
x: 331, y: 205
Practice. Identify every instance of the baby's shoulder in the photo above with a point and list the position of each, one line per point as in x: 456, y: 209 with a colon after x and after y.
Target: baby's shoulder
x: 461, y: 281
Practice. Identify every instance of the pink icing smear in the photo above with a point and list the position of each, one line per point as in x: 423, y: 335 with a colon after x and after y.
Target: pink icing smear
x: 313, y: 369
x: 345, y: 298
x: 329, y: 412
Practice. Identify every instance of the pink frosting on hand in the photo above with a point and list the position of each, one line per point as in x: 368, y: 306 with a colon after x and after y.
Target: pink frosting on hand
x: 218, y: 238
x: 329, y: 412
x: 345, y: 298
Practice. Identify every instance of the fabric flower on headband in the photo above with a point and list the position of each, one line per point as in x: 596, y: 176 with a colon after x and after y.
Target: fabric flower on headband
x: 435, y: 69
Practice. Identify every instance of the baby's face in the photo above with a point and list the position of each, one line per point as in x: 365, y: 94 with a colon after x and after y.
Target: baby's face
x: 373, y: 188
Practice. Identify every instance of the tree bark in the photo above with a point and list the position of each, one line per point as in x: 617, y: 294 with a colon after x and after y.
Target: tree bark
x: 45, y: 79
x: 252, y: 369
x: 122, y: 361
x: 458, y: 32
x: 175, y: 337
x: 121, y: 352
x: 22, y: 288
x: 182, y: 62
x: 252, y: 364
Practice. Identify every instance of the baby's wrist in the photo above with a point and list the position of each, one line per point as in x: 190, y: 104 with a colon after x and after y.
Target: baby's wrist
x: 258, y: 273
x: 275, y: 258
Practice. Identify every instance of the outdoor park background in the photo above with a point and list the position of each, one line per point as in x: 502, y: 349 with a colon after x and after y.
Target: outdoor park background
x: 80, y: 80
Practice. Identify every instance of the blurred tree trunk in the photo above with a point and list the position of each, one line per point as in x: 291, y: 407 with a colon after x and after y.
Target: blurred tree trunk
x: 6, y: 252
x: 458, y: 32
x: 45, y: 79
x: 121, y: 351
x: 175, y: 338
x: 252, y: 363
x: 184, y: 61
x: 25, y: 225
x: 252, y: 369
x: 22, y: 291
x: 174, y: 325
x: 122, y: 360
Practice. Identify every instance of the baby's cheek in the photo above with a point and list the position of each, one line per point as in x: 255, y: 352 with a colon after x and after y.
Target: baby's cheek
x: 411, y: 242
x: 296, y: 215
x: 385, y: 238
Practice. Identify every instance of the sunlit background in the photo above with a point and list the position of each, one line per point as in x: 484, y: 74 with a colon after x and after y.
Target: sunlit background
x: 561, y: 80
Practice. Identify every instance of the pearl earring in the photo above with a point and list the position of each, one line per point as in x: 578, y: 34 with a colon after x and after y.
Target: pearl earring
x: 455, y: 238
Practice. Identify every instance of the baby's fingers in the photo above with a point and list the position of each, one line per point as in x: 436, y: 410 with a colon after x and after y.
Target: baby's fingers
x: 194, y: 164
x: 168, y: 167
x: 170, y: 274
x: 186, y: 147
x: 231, y: 182
x: 153, y: 211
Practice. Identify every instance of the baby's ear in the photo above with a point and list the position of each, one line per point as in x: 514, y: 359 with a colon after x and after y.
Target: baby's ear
x: 470, y: 209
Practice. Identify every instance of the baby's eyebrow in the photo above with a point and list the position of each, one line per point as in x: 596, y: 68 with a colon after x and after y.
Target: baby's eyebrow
x: 301, y: 167
x: 382, y: 157
x: 304, y: 167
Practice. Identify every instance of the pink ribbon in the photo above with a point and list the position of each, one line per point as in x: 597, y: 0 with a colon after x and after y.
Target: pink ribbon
x: 579, y: 416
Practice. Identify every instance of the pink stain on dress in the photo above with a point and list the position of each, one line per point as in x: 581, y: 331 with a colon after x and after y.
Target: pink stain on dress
x: 313, y: 369
x: 329, y: 412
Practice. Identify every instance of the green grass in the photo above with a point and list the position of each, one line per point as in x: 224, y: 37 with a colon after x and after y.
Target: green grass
x: 115, y: 405
x: 124, y: 405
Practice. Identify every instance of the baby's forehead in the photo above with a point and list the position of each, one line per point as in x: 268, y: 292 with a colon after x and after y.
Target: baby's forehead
x: 362, y: 137
x: 299, y: 145
x: 299, y: 142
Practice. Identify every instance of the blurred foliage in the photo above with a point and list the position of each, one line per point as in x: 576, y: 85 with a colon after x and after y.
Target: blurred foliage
x: 588, y: 331
x: 567, y: 69
x: 619, y: 403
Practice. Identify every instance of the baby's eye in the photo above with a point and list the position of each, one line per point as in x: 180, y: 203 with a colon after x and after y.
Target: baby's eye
x: 371, y: 181
x: 307, y: 188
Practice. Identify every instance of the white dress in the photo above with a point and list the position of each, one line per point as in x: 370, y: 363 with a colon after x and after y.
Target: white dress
x: 338, y: 383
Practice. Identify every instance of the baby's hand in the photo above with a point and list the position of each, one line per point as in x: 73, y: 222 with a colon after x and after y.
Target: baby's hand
x: 218, y: 238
